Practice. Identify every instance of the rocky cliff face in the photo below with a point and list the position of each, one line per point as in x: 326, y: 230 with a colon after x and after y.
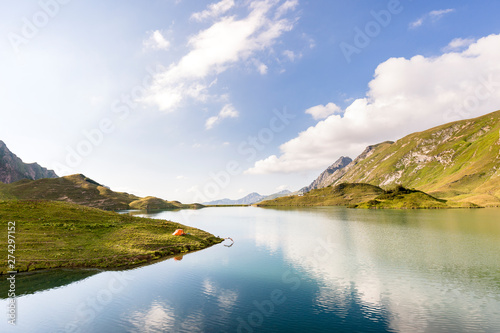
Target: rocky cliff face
x: 328, y: 176
x: 12, y: 168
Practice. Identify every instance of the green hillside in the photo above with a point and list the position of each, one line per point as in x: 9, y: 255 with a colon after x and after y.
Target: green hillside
x: 402, y: 198
x: 150, y: 203
x: 58, y: 234
x: 83, y: 191
x: 458, y: 161
x: 75, y: 188
x: 359, y: 195
x: 340, y: 195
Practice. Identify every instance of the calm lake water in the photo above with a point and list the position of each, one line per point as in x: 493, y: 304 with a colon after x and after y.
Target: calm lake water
x: 301, y: 270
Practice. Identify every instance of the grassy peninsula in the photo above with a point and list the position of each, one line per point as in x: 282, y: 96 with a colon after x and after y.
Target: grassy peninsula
x: 53, y: 234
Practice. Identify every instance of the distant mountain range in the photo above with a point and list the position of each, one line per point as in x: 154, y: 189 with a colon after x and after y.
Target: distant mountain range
x: 458, y: 161
x: 249, y: 199
x: 12, y: 168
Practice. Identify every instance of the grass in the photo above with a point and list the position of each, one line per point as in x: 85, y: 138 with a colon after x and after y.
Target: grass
x: 60, y: 234
x: 463, y: 161
x: 340, y: 195
x: 75, y: 189
x: 366, y: 196
x: 150, y: 203
x: 83, y: 191
x: 402, y: 198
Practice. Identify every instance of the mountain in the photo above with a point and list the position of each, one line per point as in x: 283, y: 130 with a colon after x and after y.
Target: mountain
x: 360, y: 195
x: 342, y: 195
x: 249, y: 199
x: 75, y: 189
x: 12, y: 168
x: 280, y: 194
x: 458, y: 161
x: 326, y: 177
x: 84, y: 191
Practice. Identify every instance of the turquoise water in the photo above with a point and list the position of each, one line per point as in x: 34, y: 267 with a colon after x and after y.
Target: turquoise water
x: 301, y: 270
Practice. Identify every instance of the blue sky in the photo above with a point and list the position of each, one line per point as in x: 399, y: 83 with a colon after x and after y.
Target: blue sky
x: 195, y: 101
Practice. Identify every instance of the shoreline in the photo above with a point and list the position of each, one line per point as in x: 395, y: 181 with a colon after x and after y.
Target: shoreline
x: 50, y: 235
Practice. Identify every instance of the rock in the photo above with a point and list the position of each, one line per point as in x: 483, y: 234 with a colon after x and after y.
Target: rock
x: 13, y: 169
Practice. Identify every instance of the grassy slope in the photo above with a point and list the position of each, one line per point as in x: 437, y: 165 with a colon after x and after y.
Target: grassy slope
x: 83, y: 191
x: 157, y: 203
x: 361, y: 195
x: 401, y: 198
x: 75, y: 188
x: 340, y: 195
x: 469, y: 170
x: 59, y: 234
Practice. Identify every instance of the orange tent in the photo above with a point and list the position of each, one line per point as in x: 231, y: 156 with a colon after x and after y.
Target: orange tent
x: 179, y: 232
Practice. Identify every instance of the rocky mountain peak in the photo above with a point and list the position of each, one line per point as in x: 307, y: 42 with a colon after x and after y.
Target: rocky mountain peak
x: 12, y: 168
x: 324, y: 178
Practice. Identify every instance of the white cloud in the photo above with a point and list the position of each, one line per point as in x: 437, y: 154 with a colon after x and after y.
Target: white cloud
x: 285, y: 7
x: 292, y: 56
x: 228, y: 111
x: 282, y: 188
x: 214, y: 10
x: 323, y: 111
x: 181, y: 177
x: 441, y: 12
x: 262, y: 68
x: 406, y: 95
x: 433, y: 15
x: 214, y: 50
x: 417, y: 23
x: 156, y: 41
x: 459, y: 43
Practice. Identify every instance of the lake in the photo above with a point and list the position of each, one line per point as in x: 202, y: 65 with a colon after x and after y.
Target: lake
x: 297, y: 270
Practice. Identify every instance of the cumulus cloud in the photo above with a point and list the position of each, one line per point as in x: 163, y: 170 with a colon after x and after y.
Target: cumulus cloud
x: 406, y: 95
x: 156, y: 41
x: 433, y: 15
x: 225, y: 43
x: 228, y: 111
x: 214, y: 10
x: 323, y: 111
